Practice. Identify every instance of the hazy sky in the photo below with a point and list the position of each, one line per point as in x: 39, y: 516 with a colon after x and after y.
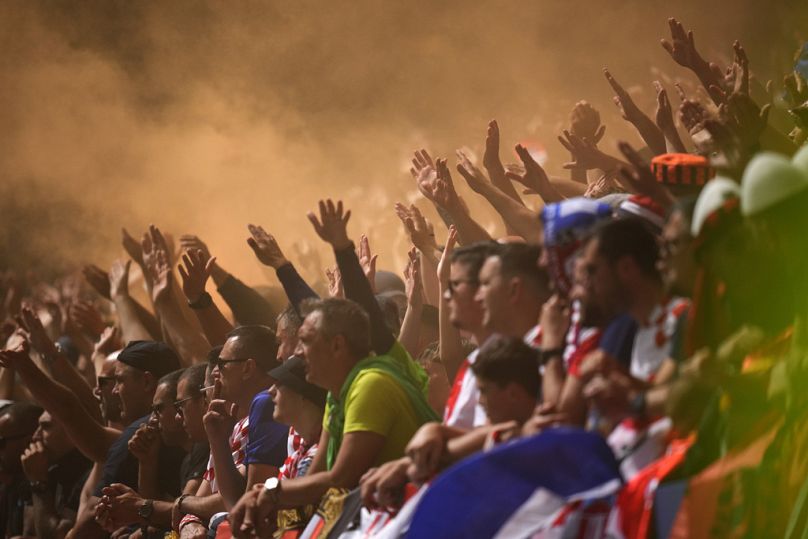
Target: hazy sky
x: 204, y: 116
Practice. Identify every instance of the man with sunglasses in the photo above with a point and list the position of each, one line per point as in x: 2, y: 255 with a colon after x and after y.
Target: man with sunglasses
x: 18, y: 421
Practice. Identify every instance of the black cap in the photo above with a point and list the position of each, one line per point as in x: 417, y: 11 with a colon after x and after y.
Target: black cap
x: 292, y: 373
x: 152, y: 356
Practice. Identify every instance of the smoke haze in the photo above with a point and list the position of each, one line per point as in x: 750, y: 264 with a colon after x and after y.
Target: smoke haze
x: 202, y: 117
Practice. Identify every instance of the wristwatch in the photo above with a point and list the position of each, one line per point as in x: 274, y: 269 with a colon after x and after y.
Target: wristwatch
x: 145, y: 511
x: 273, y: 488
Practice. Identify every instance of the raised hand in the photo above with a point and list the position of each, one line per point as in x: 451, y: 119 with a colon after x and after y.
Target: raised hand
x: 445, y: 260
x: 419, y: 230
x: 30, y: 323
x: 18, y: 355
x: 585, y: 122
x: 412, y: 279
x: 335, y: 289
x: 190, y: 242
x: 119, y: 279
x: 87, y: 318
x: 109, y: 341
x: 367, y: 260
x: 628, y: 109
x: 585, y: 154
x: 534, y: 178
x: 132, y: 247
x: 664, y: 119
x: 265, y: 247
x: 554, y: 321
x: 195, y: 273
x: 332, y: 226
x: 491, y: 160
x: 682, y: 47
x: 473, y: 176
x: 434, y: 180
x: 157, y: 260
x: 641, y: 180
x: 122, y: 504
x: 97, y: 278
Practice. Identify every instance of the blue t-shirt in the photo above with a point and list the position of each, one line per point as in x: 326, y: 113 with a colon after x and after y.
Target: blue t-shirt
x: 267, y: 438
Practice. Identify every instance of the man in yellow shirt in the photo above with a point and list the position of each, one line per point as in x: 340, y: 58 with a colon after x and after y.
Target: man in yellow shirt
x: 375, y: 402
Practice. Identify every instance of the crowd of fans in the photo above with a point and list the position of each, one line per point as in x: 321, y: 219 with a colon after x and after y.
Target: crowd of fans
x: 656, y: 306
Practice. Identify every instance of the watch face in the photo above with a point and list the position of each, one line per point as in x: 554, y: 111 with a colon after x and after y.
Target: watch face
x: 271, y: 483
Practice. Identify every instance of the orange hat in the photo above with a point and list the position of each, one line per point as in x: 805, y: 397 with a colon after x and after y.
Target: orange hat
x: 682, y: 169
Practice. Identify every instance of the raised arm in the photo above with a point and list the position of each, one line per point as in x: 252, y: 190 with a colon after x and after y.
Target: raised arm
x: 332, y: 228
x: 132, y: 328
x: 518, y: 218
x: 645, y: 126
x: 88, y: 435
x: 493, y: 164
x: 247, y: 305
x: 535, y: 179
x: 664, y: 119
x: 100, y: 281
x: 55, y: 361
x: 682, y: 48
x: 451, y: 346
x: 435, y: 183
x: 422, y: 235
x: 191, y: 345
x: 269, y: 253
x: 411, y: 325
x: 194, y: 274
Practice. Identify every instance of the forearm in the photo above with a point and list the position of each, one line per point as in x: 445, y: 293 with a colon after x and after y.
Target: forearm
x: 296, y: 288
x: 213, y: 323
x: 247, y: 305
x: 461, y: 444
x: 64, y: 371
x: 132, y: 329
x: 230, y: 479
x: 309, y: 489
x: 468, y: 230
x: 650, y: 133
x: 429, y: 278
x: 89, y: 436
x: 672, y: 136
x: 569, y: 189
x: 190, y: 343
x: 203, y: 506
x: 357, y: 288
x: 147, y: 319
x: 411, y: 328
x: 515, y: 215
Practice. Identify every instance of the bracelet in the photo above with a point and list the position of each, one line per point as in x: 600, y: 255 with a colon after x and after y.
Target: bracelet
x: 202, y: 302
x: 547, y: 354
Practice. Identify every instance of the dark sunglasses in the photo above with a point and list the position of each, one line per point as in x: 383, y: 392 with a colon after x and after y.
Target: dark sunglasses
x: 179, y: 406
x: 219, y: 362
x: 104, y: 380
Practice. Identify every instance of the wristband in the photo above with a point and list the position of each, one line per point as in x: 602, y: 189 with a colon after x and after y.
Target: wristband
x: 202, y: 302
x: 187, y: 519
x: 547, y: 354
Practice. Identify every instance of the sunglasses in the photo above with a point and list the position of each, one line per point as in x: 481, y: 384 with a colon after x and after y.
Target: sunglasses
x: 220, y: 363
x: 104, y: 380
x: 179, y: 406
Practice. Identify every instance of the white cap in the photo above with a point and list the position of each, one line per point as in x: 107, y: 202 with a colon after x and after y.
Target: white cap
x: 768, y: 180
x: 712, y: 197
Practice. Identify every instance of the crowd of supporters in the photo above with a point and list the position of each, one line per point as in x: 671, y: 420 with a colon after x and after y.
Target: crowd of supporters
x: 626, y: 363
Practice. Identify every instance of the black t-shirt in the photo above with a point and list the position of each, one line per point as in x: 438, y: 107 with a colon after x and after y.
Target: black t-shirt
x: 14, y: 496
x: 67, y: 476
x: 195, y: 463
x: 122, y: 466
